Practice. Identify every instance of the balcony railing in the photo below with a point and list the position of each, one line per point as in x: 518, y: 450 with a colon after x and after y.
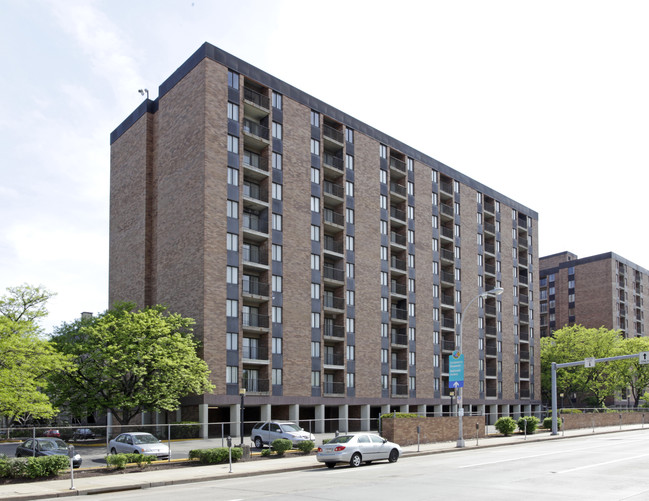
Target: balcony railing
x: 397, y: 164
x: 397, y: 263
x: 492, y: 392
x: 446, y: 232
x: 337, y: 303
x: 333, y: 189
x: 447, y: 276
x: 397, y: 239
x: 255, y: 129
x: 398, y: 189
x: 332, y: 217
x: 490, y: 310
x: 333, y: 246
x: 525, y: 393
x: 489, y: 207
x: 256, y: 98
x: 399, y: 365
x: 255, y: 161
x: 254, y: 287
x: 399, y: 390
x: 490, y: 269
x: 447, y: 210
x: 254, y: 256
x: 399, y: 338
x: 331, y: 133
x: 254, y: 192
x: 525, y: 354
x: 255, y: 385
x: 398, y: 313
x: 447, y: 254
x: 255, y: 320
x: 255, y: 352
x: 490, y: 248
x: 397, y: 214
x: 491, y: 350
x: 448, y: 323
x: 330, y: 388
x: 448, y: 300
x: 334, y: 359
x: 490, y: 330
x: 446, y: 187
x: 333, y: 330
x: 448, y: 345
x: 332, y: 273
x: 397, y: 288
x: 491, y: 371
x: 333, y: 161
x: 255, y: 224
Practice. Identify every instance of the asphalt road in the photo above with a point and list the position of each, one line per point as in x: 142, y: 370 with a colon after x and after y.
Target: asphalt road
x: 598, y: 467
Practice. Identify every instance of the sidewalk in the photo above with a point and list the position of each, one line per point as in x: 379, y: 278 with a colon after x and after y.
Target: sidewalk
x: 145, y: 479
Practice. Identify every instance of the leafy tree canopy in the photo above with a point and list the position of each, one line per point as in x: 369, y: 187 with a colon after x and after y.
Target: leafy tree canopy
x: 128, y: 361
x: 630, y: 372
x: 26, y: 360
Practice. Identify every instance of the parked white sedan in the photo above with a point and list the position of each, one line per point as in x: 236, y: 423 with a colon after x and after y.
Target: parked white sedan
x: 138, y: 443
x: 356, y: 448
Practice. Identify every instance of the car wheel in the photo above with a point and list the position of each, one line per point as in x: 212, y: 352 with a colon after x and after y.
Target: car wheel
x: 330, y: 465
x: 356, y: 460
x: 258, y: 443
x: 113, y: 451
x: 394, y: 455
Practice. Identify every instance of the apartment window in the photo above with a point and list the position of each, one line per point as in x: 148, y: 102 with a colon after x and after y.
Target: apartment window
x: 233, y: 176
x: 411, y: 236
x: 458, y: 296
x: 433, y: 176
x: 436, y: 314
x: 384, y: 304
x: 351, y: 325
x: 315, y: 175
x: 315, y: 379
x: 349, y: 162
x: 435, y: 360
x: 383, y: 176
x: 315, y: 320
x: 351, y: 352
x: 384, y: 227
x: 233, y: 111
x: 233, y: 79
x: 231, y: 373
x: 233, y: 144
x: 350, y: 298
x: 411, y: 285
x: 411, y: 334
x: 349, y: 243
x: 232, y: 275
x: 458, y: 274
x: 277, y: 283
x: 277, y: 314
x: 277, y: 191
x: 315, y: 262
x: 277, y: 100
x: 411, y: 309
x: 479, y: 217
x: 435, y: 268
x: 350, y: 270
x: 350, y: 380
x: 435, y: 290
x: 231, y: 341
x: 434, y: 198
x: 457, y: 252
x: 315, y: 147
x: 480, y: 260
x: 411, y: 260
x: 315, y: 233
x: 315, y: 349
x: 315, y: 204
x: 349, y: 216
x: 349, y: 135
x: 277, y: 130
x: 231, y: 308
x: 435, y: 245
x: 435, y: 222
x: 277, y: 161
x: 383, y: 201
x: 315, y: 118
x: 411, y: 358
x: 384, y: 253
x: 232, y: 242
x: 384, y: 330
x: 457, y: 230
x: 456, y: 186
x: 383, y: 151
x: 233, y: 209
x: 411, y: 212
x: 277, y: 376
x: 384, y: 356
x: 277, y: 222
x: 277, y: 345
x: 315, y: 291
x: 384, y: 278
x: 411, y: 164
x: 479, y: 239
x: 349, y: 188
x: 384, y: 381
x: 277, y: 252
x: 411, y: 188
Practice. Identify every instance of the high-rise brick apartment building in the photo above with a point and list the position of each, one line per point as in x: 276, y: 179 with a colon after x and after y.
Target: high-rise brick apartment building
x: 605, y: 290
x: 326, y: 264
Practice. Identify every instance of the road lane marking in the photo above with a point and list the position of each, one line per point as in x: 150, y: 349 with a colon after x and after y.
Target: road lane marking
x: 596, y: 465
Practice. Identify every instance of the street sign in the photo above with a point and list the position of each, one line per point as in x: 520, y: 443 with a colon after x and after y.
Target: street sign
x: 643, y: 357
x: 456, y: 370
x: 589, y: 362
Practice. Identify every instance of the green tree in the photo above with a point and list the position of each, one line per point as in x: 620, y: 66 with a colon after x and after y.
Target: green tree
x: 128, y: 361
x: 574, y: 343
x: 630, y: 373
x: 27, y: 361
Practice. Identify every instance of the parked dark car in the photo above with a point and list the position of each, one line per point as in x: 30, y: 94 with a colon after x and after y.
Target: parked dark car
x: 52, y: 433
x: 83, y: 434
x: 46, y: 447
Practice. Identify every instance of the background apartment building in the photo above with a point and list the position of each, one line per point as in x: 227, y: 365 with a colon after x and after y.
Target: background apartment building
x: 604, y: 290
x: 326, y: 264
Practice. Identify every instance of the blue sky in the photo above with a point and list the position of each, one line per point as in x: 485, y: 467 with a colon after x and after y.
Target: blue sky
x: 546, y: 102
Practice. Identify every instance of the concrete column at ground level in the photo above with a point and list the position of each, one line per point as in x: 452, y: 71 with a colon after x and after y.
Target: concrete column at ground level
x: 438, y: 410
x: 385, y: 409
x: 516, y: 410
x: 179, y: 415
x: 343, y: 418
x: 365, y: 417
x: 235, y: 420
x: 294, y: 413
x: 482, y: 411
x: 527, y: 410
x: 109, y: 425
x: 265, y: 410
x: 421, y: 410
x: 493, y: 414
x: 505, y: 410
x: 404, y: 408
x: 145, y: 418
x: 202, y: 419
x: 319, y: 418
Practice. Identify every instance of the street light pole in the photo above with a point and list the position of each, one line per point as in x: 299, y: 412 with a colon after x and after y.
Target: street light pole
x: 242, y: 392
x: 460, y: 411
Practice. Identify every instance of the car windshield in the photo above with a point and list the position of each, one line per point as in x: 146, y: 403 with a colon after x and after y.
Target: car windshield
x: 343, y: 439
x: 290, y: 427
x: 53, y: 445
x: 144, y: 439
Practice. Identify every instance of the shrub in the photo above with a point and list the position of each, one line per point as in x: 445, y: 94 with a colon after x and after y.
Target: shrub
x: 570, y: 411
x: 281, y: 445
x: 117, y: 461
x: 189, y: 429
x: 216, y: 455
x: 528, y: 424
x: 400, y: 415
x: 547, y: 423
x: 306, y: 446
x: 505, y: 425
x: 265, y: 452
x: 33, y: 467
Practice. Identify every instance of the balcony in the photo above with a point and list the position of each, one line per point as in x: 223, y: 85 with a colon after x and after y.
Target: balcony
x: 446, y: 232
x: 397, y: 239
x: 491, y: 371
x: 398, y: 289
x: 333, y: 274
x: 333, y: 359
x: 254, y: 197
x: 331, y: 388
x: 255, y: 134
x: 256, y: 386
x: 446, y: 187
x: 253, y: 354
x: 333, y: 162
x: 447, y: 255
x: 332, y: 246
x: 448, y: 300
x: 491, y: 330
x: 490, y: 269
x: 255, y: 98
x: 447, y: 323
x: 399, y: 365
x: 525, y: 393
x: 491, y: 392
x: 524, y: 354
x: 398, y: 314
x: 332, y: 218
x: 254, y: 226
x: 397, y: 215
x: 489, y: 228
x: 254, y: 288
x: 335, y: 135
x: 333, y: 190
x: 333, y: 302
x: 447, y: 277
x: 398, y: 165
x: 334, y: 331
x: 398, y: 264
x: 490, y: 249
x: 399, y: 339
x: 399, y: 390
x: 398, y: 190
x: 491, y: 351
x: 255, y: 321
x: 253, y: 256
x: 448, y: 345
x: 255, y: 165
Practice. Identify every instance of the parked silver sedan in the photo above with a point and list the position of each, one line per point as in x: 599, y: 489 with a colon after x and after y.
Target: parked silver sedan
x: 356, y: 448
x: 138, y: 443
